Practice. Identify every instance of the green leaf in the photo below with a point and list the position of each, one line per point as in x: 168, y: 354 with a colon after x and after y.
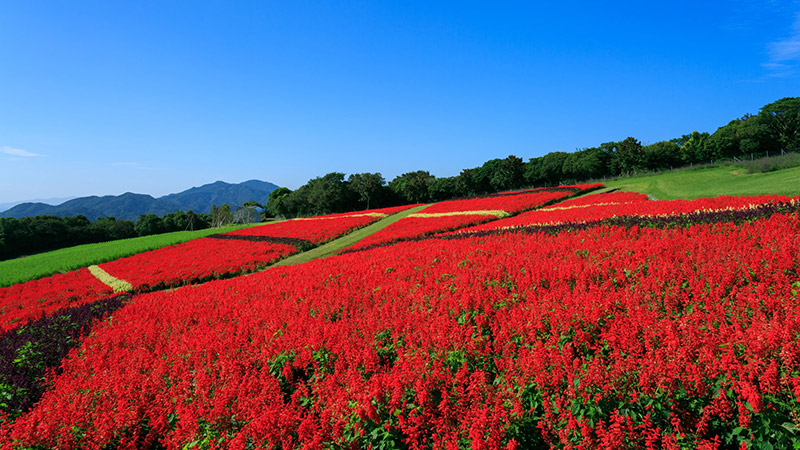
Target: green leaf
x: 790, y: 427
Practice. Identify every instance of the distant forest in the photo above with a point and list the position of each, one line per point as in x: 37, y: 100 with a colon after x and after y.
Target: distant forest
x: 29, y: 235
x: 775, y: 129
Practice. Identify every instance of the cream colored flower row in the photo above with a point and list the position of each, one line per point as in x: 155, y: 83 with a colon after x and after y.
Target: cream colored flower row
x: 340, y: 217
x: 485, y: 212
x: 114, y: 283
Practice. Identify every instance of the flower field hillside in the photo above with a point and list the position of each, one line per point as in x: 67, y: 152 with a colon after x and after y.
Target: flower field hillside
x: 455, y: 214
x: 645, y: 325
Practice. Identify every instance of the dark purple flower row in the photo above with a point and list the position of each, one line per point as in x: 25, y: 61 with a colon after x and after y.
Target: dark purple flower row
x: 735, y: 216
x: 27, y: 353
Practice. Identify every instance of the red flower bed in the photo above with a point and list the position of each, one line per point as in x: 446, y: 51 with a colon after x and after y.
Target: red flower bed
x: 602, y: 206
x: 386, y: 211
x: 22, y: 302
x: 412, y: 227
x: 417, y: 226
x: 196, y: 260
x: 603, y: 338
x: 510, y: 203
x: 312, y: 229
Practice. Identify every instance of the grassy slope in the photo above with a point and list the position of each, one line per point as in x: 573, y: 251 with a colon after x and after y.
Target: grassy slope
x: 711, y: 182
x: 43, y: 264
x: 347, y: 240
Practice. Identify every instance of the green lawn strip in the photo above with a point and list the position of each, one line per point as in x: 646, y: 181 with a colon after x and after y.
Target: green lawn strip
x: 345, y: 241
x: 711, y: 182
x: 19, y: 270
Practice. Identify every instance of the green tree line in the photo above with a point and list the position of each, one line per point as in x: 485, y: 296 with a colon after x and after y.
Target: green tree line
x: 774, y: 129
x: 36, y: 234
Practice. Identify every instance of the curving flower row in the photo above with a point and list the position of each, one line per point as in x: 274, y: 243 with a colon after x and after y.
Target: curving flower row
x: 194, y: 261
x: 22, y: 302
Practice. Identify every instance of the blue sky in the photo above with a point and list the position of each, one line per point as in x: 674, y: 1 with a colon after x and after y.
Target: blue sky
x: 101, y: 98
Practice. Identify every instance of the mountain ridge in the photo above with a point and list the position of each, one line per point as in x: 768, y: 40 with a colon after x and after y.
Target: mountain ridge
x: 130, y: 206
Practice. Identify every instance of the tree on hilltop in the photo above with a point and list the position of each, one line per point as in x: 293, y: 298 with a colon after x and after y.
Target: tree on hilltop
x: 367, y: 187
x: 782, y: 118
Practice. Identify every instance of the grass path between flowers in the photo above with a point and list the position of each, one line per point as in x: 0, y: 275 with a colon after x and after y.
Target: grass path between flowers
x: 345, y: 241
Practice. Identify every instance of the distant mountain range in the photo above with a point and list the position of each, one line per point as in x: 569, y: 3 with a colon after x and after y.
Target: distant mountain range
x: 130, y: 206
x: 49, y: 201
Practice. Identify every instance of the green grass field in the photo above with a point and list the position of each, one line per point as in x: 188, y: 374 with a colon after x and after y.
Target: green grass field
x: 711, y: 182
x: 58, y: 261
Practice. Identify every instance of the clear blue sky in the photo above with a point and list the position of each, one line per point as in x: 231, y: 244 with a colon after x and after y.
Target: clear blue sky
x: 153, y: 97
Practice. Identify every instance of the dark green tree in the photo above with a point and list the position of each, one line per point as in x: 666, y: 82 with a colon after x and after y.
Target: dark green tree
x: 412, y: 187
x: 148, y: 224
x: 693, y: 147
x: 328, y: 194
x: 661, y: 155
x: 586, y: 164
x: 630, y: 155
x: 509, y: 173
x: 466, y: 183
x: 277, y: 204
x: 547, y: 170
x: 782, y: 118
x: 368, y: 188
x: 442, y: 189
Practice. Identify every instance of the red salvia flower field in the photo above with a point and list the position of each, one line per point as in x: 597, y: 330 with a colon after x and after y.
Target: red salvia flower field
x: 606, y: 337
